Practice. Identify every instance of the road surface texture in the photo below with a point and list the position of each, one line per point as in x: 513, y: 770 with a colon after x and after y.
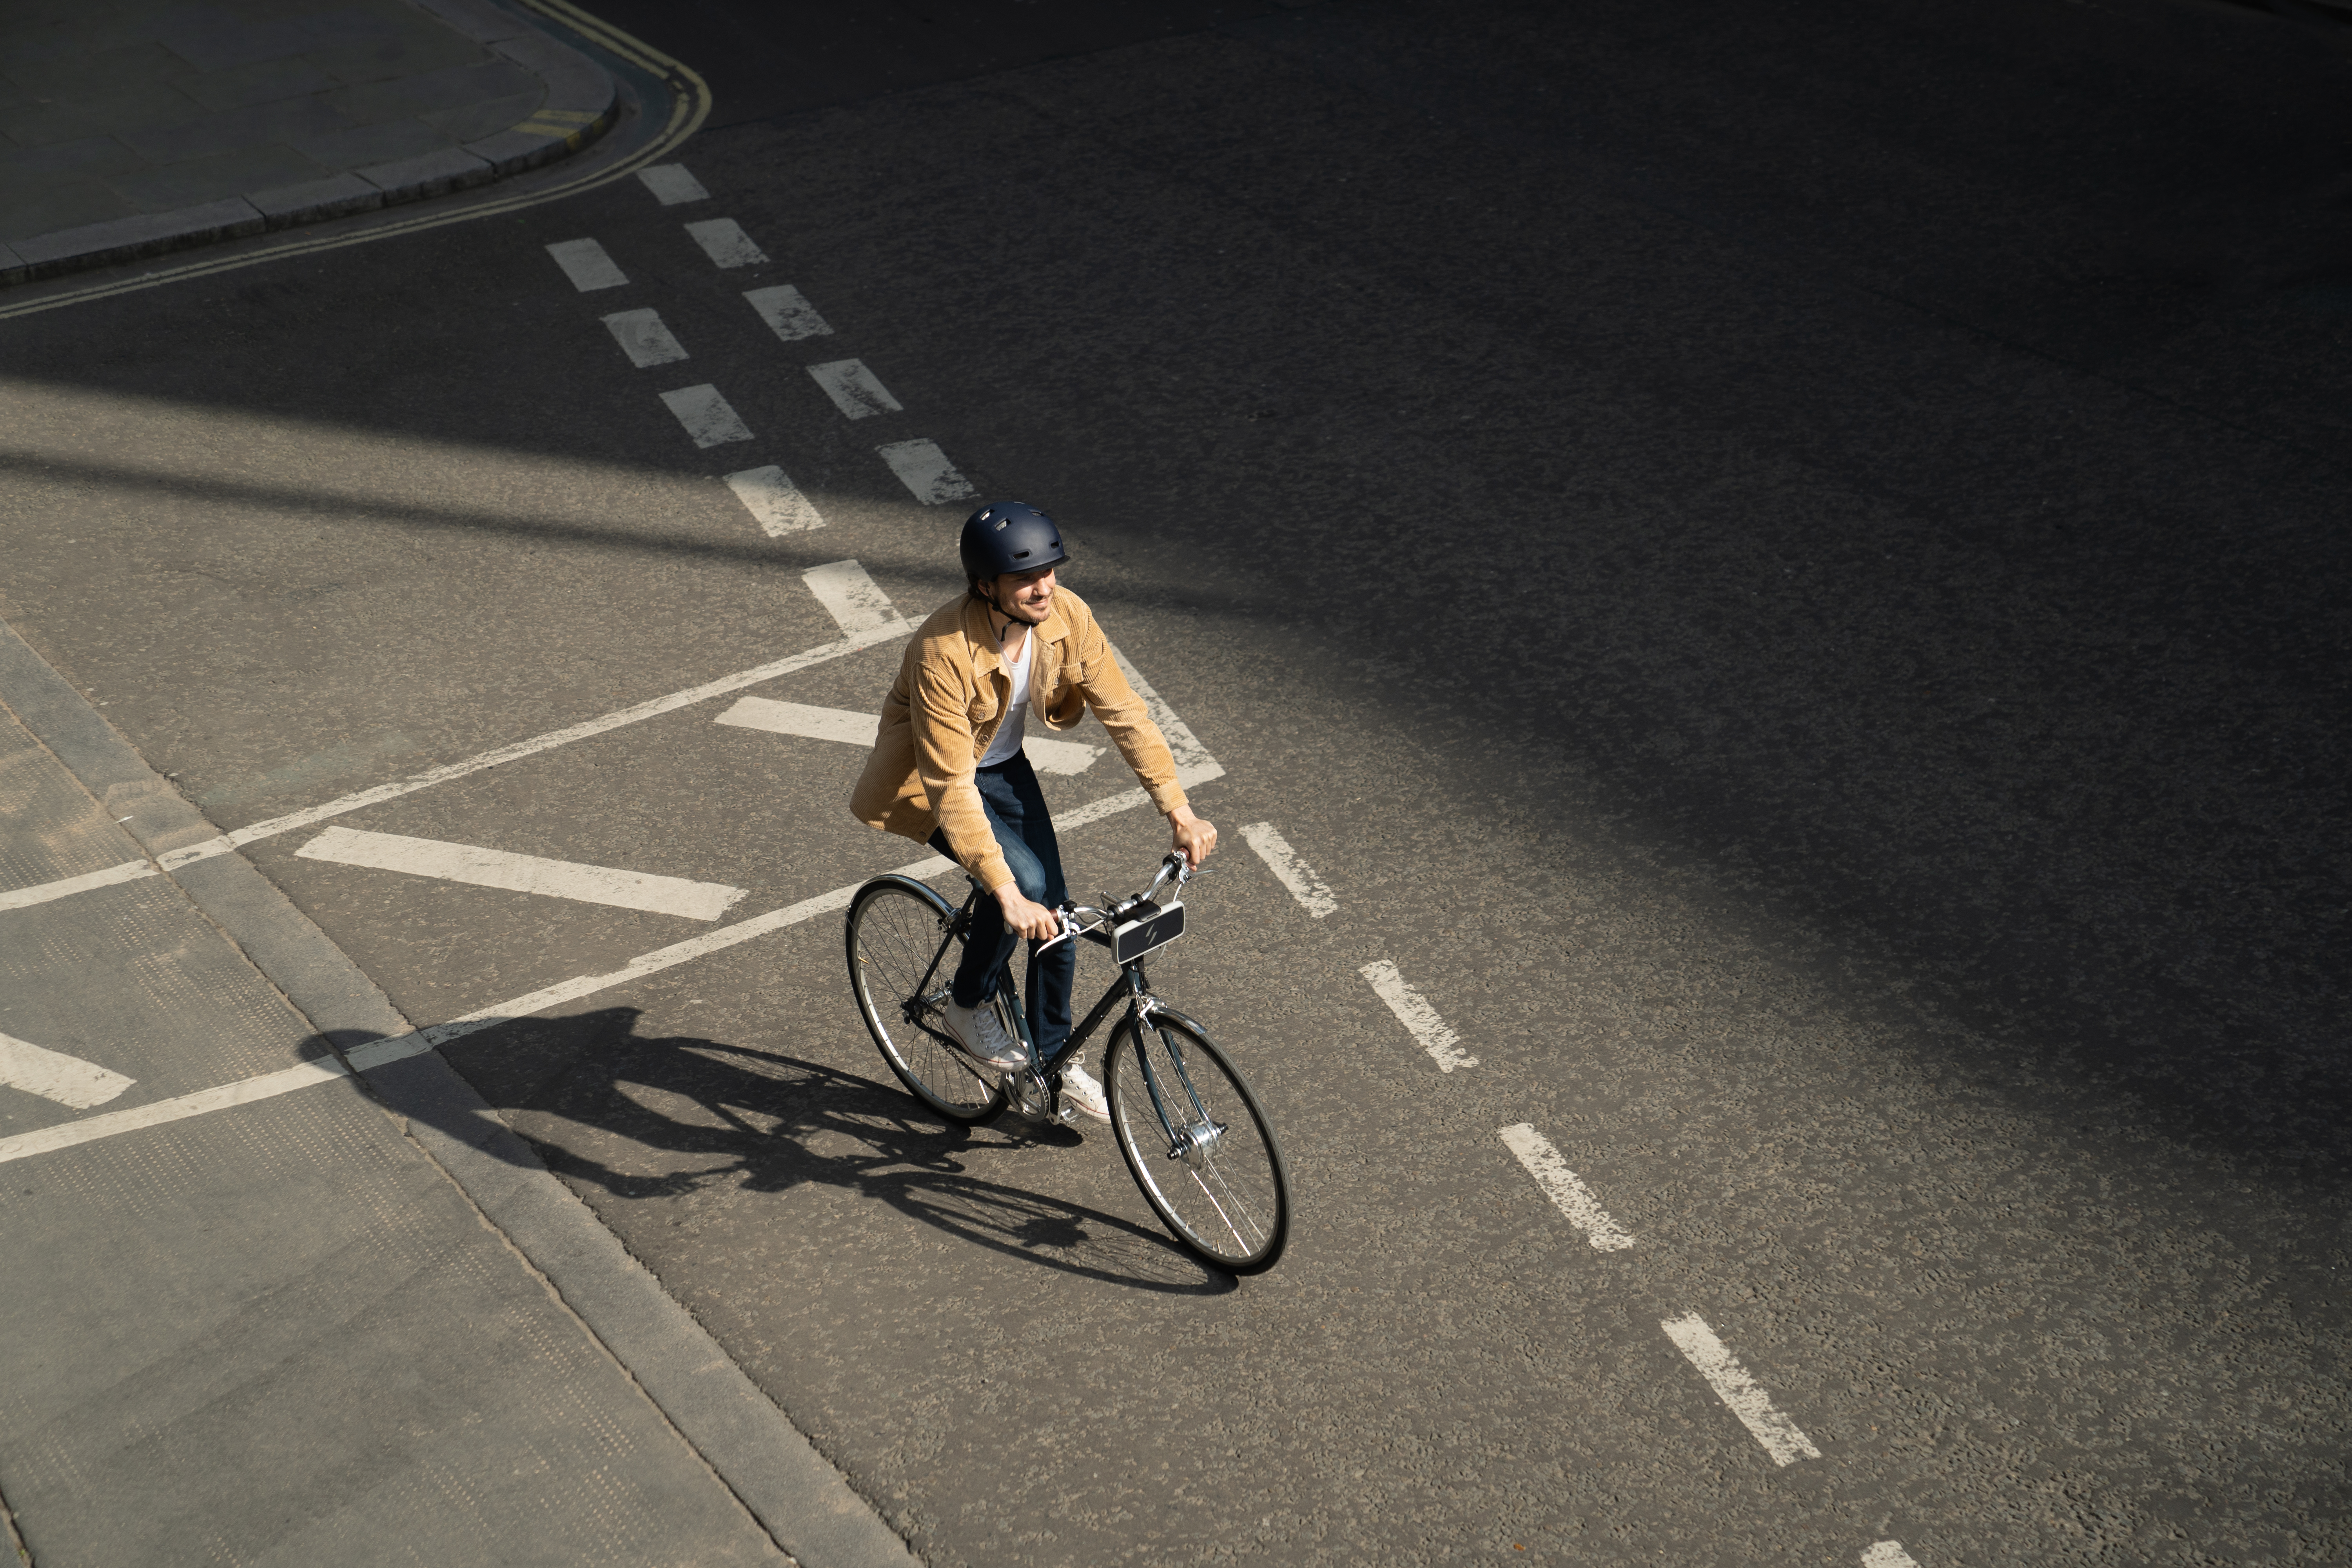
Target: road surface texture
x: 1776, y: 578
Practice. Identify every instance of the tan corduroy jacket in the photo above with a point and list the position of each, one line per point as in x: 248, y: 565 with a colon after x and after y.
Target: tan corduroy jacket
x: 945, y: 706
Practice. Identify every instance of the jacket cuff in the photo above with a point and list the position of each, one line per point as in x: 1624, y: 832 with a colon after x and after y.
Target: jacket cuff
x: 1167, y: 797
x: 992, y: 873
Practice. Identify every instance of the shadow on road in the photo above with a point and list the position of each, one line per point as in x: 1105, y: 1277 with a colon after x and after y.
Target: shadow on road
x: 667, y: 1116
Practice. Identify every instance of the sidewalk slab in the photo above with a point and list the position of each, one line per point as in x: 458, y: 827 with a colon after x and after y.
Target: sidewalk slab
x: 284, y: 1335
x: 129, y: 129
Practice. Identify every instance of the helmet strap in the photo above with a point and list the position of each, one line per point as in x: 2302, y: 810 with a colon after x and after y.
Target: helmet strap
x: 995, y: 610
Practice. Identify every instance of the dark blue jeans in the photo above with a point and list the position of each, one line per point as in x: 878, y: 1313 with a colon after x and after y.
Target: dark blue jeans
x: 1024, y: 832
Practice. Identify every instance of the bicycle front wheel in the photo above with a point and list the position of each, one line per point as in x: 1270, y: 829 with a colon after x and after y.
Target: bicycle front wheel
x: 1197, y: 1144
x: 899, y: 965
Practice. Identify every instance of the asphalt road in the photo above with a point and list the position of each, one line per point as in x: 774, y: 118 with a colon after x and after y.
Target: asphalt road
x: 1786, y: 567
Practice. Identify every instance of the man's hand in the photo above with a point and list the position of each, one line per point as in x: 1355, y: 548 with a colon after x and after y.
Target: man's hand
x: 1035, y: 922
x: 1196, y: 836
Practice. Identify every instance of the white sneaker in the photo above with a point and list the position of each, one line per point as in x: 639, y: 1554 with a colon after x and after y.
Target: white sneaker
x: 1082, y: 1090
x: 984, y: 1034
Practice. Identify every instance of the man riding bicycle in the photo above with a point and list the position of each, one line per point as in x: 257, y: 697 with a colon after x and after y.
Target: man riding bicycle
x: 948, y: 769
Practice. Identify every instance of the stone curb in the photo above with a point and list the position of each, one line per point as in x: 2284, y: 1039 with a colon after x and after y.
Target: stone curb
x: 582, y: 104
x: 805, y: 1503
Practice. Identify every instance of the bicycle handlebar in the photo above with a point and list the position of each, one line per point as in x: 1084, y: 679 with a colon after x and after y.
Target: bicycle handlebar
x: 1173, y: 864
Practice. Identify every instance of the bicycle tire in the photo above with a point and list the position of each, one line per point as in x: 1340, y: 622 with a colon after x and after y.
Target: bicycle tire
x: 894, y: 927
x: 1231, y: 1206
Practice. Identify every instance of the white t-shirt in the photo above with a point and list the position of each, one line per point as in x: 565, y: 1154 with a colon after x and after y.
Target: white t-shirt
x: 1007, y: 743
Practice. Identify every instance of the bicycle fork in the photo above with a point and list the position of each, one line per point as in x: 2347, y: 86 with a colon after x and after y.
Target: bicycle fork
x: 1192, y: 1133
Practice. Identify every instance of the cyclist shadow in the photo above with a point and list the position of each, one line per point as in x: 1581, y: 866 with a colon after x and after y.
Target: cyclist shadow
x: 701, y: 1113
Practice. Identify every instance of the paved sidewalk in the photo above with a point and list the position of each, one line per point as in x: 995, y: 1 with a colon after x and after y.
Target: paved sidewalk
x: 137, y: 126
x: 358, y: 1323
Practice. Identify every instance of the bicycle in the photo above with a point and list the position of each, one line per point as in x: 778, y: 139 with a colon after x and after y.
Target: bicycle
x: 1191, y: 1131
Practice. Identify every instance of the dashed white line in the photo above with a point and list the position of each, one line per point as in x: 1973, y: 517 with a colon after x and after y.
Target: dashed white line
x: 1420, y: 1019
x: 1288, y: 869
x: 481, y: 868
x: 66, y: 887
x: 1887, y: 1554
x: 584, y: 262
x: 923, y: 468
x: 849, y: 595
x: 723, y: 240
x: 643, y: 338
x: 707, y: 415
x: 672, y: 185
x: 859, y: 729
x: 1564, y: 1188
x: 1780, y: 1435
x: 770, y: 494
x: 855, y: 390
x: 52, y: 1075
x: 788, y: 314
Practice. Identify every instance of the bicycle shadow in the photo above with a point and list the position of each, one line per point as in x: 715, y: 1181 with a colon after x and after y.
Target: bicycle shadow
x: 668, y: 1115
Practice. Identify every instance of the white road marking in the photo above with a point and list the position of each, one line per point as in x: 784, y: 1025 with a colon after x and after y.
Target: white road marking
x: 706, y: 415
x: 1193, y: 763
x: 789, y: 315
x: 859, y: 729
x: 399, y: 1047
x: 854, y: 388
x: 723, y: 240
x: 849, y: 595
x: 923, y: 468
x: 643, y: 338
x: 1765, y: 1423
x: 841, y: 724
x: 52, y: 1075
x: 342, y: 805
x: 770, y: 494
x: 1443, y: 1046
x: 1564, y: 1188
x: 523, y: 873
x: 1887, y: 1554
x: 636, y: 714
x: 584, y: 262
x: 672, y: 185
x: 1288, y: 869
x: 24, y: 898
x: 1058, y: 756
x: 1194, y: 766
x: 244, y: 1091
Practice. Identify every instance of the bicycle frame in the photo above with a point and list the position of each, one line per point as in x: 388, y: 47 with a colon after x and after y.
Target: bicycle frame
x: 1029, y: 1090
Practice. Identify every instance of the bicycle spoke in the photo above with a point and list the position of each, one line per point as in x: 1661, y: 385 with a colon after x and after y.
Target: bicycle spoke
x: 896, y: 933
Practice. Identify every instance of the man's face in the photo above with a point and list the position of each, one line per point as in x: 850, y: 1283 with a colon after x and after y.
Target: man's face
x: 1026, y: 595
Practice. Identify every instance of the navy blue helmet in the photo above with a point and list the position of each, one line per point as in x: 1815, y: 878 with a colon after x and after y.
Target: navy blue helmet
x: 1009, y: 536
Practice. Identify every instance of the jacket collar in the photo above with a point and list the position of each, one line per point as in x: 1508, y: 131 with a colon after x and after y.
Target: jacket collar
x: 985, y: 659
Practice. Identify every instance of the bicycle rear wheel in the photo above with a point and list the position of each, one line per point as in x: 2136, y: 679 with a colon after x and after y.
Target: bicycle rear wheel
x: 896, y: 929
x: 1208, y: 1166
